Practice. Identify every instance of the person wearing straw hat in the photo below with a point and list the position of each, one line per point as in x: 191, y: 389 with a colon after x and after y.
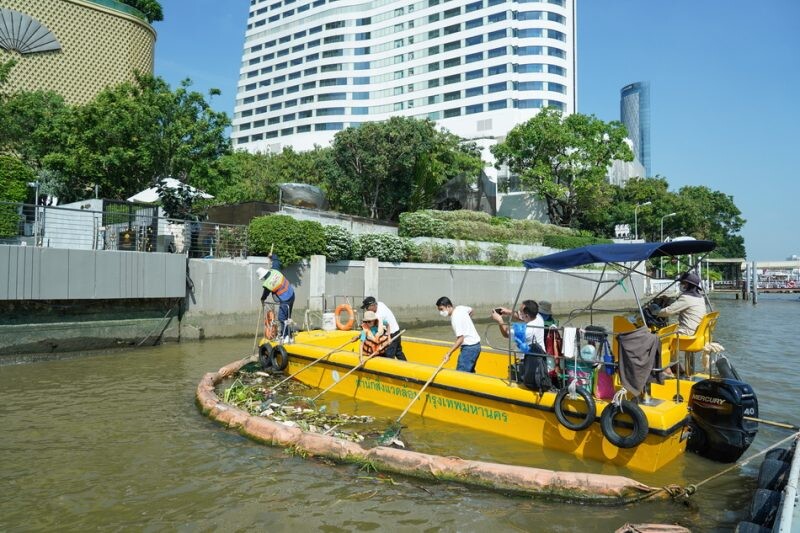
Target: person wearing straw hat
x: 374, y: 335
x: 395, y: 349
x: 690, y: 306
x: 275, y: 283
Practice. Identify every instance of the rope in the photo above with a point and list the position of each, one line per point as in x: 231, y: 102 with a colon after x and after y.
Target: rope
x: 691, y: 489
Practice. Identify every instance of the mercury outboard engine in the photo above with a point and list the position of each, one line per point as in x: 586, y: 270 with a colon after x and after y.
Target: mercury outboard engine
x: 718, y: 428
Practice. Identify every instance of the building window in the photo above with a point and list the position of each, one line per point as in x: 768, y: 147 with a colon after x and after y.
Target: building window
x: 454, y: 45
x: 529, y: 104
x: 330, y: 126
x: 454, y: 12
x: 498, y: 69
x: 556, y: 104
x: 473, y: 91
x: 530, y: 86
x: 529, y: 50
x: 331, y: 96
x: 474, y: 23
x: 361, y: 96
x: 452, y: 62
x: 553, y: 69
x: 474, y: 108
x: 477, y: 56
x: 287, y: 131
x: 474, y: 6
x: 453, y: 78
x: 498, y: 104
x: 497, y: 52
x: 497, y: 87
x: 359, y: 111
x: 361, y: 80
x: 273, y: 120
x: 473, y: 74
x: 497, y: 17
x: 471, y: 41
x: 454, y: 95
x: 530, y: 68
x: 455, y: 112
x: 454, y: 28
x: 304, y: 129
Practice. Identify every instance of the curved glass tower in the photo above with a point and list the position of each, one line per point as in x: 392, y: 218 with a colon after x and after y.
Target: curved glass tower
x: 478, y: 67
x: 635, y: 114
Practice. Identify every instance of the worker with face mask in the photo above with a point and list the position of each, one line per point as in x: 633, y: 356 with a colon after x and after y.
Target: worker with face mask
x: 690, y: 306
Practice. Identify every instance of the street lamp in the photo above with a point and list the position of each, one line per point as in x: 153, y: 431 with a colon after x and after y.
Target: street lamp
x: 636, y: 219
x: 661, y: 274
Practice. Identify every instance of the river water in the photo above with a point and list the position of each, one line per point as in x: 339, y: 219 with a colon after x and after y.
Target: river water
x: 115, y: 441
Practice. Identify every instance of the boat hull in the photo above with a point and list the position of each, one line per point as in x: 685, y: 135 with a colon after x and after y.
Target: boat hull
x: 485, y: 401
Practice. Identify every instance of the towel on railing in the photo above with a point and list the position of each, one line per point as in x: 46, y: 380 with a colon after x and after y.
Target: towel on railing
x: 639, y: 354
x: 569, y: 342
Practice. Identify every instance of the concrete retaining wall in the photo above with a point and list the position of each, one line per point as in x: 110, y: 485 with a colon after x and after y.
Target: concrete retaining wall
x: 225, y: 301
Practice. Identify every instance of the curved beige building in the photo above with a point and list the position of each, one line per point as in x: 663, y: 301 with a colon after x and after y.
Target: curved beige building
x: 75, y: 48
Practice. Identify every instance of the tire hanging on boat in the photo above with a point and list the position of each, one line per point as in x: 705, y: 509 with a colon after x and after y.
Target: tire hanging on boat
x: 640, y: 425
x: 279, y: 358
x: 265, y: 355
x: 562, y: 417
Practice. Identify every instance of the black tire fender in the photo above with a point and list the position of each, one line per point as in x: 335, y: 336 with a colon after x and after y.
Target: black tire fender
x: 640, y: 425
x: 265, y: 356
x: 773, y: 474
x: 279, y: 358
x: 561, y: 415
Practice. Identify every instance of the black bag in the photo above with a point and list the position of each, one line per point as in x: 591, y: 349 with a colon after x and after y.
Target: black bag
x: 535, y: 375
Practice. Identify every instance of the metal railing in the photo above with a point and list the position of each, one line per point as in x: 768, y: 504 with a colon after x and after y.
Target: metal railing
x: 122, y: 227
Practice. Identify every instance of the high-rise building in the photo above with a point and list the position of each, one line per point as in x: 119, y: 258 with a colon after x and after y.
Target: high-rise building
x: 635, y: 115
x: 477, y: 67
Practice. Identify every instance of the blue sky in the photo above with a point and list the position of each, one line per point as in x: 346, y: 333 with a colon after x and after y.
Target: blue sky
x: 724, y: 80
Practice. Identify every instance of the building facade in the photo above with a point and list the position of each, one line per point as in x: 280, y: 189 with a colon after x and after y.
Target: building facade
x: 635, y: 115
x: 75, y: 48
x: 477, y: 67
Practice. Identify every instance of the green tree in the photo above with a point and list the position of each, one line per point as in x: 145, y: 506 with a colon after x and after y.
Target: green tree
x: 711, y: 215
x: 32, y: 124
x: 151, y: 9
x: 5, y: 70
x: 14, y: 178
x: 133, y: 134
x: 385, y: 168
x: 564, y: 160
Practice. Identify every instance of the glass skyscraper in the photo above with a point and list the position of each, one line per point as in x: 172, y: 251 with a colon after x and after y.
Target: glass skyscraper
x: 635, y: 115
x: 477, y: 67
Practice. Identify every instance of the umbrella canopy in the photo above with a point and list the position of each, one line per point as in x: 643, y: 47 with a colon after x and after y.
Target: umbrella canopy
x: 150, y: 196
x: 617, y: 253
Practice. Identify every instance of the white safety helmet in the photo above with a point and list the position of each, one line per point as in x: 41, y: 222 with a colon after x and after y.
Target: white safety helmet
x: 261, y: 272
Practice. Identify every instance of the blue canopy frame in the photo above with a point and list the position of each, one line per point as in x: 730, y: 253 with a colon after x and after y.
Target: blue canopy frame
x: 617, y: 253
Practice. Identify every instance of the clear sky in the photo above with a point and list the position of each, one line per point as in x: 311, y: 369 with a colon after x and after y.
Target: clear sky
x: 724, y: 90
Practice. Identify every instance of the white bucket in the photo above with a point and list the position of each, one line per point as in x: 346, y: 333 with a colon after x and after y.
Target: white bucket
x: 328, y: 321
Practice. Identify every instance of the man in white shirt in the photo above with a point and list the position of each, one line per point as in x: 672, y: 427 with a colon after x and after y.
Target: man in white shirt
x: 467, y: 337
x: 523, y: 333
x: 395, y: 349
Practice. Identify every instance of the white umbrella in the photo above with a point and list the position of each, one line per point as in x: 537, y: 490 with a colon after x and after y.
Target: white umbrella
x: 150, y: 196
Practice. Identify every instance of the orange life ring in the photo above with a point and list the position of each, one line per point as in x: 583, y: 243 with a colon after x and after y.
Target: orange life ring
x: 351, y: 317
x: 270, y: 326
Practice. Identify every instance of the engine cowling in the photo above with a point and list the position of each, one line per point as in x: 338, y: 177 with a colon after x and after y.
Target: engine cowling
x: 719, y: 430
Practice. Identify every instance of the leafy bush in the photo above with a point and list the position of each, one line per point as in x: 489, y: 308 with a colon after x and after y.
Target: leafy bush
x: 564, y: 242
x: 432, y: 252
x: 421, y: 224
x: 384, y: 246
x: 411, y: 251
x: 292, y: 240
x: 498, y: 255
x: 14, y: 178
x: 468, y: 253
x: 477, y: 226
x: 339, y: 243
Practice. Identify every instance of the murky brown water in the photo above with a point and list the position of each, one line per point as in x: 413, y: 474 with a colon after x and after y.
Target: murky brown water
x: 115, y: 441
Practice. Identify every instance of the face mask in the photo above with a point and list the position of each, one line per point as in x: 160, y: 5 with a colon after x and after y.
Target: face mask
x: 443, y: 312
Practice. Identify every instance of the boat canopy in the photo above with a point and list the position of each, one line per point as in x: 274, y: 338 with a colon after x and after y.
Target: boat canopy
x: 617, y: 253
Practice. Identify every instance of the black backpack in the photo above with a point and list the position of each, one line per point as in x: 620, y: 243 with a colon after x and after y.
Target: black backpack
x: 535, y: 375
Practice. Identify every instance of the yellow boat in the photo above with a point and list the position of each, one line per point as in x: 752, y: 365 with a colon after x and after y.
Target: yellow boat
x: 644, y: 435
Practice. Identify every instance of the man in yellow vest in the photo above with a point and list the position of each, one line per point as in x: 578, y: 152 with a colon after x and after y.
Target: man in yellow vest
x: 275, y: 283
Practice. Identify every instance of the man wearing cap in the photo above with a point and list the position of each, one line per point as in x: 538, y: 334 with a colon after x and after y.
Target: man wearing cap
x: 546, y: 312
x: 395, y: 349
x: 690, y: 306
x: 275, y: 283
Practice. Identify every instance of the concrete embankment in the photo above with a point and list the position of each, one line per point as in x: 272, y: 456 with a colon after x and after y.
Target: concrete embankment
x: 58, y: 301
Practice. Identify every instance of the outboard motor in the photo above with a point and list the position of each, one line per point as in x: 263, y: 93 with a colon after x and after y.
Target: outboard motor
x: 718, y: 428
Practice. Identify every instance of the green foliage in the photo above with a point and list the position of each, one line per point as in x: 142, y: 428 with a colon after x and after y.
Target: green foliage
x: 498, y: 255
x: 151, y: 9
x: 467, y: 253
x: 5, y: 71
x: 434, y: 252
x: 310, y: 238
x: 421, y: 224
x: 14, y: 178
x: 564, y: 160
x: 177, y: 202
x: 382, y: 169
x: 232, y: 241
x: 411, y: 251
x: 32, y: 124
x: 339, y: 243
x: 290, y: 239
x: 564, y: 242
x: 131, y: 135
x: 384, y: 246
x: 475, y: 226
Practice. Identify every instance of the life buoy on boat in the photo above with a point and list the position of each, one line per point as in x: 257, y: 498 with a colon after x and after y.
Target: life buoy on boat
x: 279, y: 358
x: 270, y: 326
x: 638, y: 432
x: 351, y: 317
x: 565, y: 421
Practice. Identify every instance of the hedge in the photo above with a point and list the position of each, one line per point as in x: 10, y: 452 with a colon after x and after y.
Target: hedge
x: 292, y: 240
